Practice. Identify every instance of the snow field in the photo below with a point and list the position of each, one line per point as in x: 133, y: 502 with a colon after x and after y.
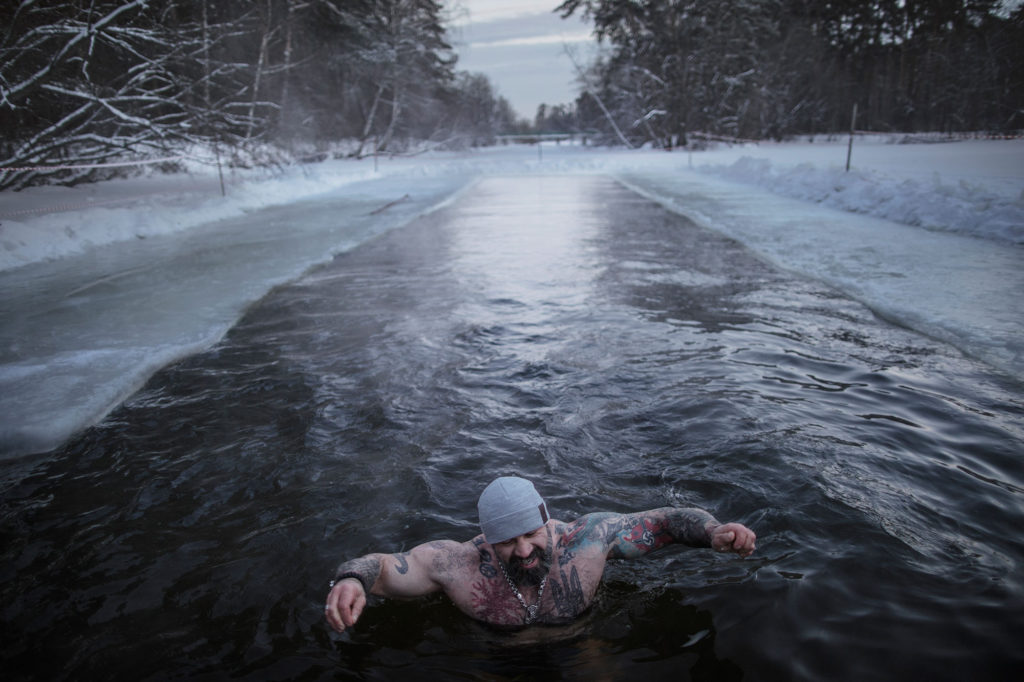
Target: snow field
x: 971, y: 187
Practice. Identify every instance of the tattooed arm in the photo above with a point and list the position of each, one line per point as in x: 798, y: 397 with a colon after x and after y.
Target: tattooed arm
x: 415, y: 573
x: 628, y: 536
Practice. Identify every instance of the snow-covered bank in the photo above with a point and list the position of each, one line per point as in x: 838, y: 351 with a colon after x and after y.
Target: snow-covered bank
x: 968, y: 187
x: 971, y: 187
x: 44, y: 223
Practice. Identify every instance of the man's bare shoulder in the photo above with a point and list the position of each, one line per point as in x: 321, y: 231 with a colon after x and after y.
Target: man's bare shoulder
x: 444, y: 550
x: 438, y: 562
x: 595, y: 530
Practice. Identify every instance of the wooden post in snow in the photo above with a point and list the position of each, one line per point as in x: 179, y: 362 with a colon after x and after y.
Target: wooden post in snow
x: 220, y: 173
x: 849, y: 148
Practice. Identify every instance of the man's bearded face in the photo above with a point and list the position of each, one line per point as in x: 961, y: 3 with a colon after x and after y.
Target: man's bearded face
x: 529, y: 576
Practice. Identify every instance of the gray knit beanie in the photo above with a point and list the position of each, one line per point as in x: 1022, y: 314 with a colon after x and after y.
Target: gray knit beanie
x: 510, y: 506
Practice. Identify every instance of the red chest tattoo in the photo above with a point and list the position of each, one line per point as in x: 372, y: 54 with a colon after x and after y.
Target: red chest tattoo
x: 492, y: 602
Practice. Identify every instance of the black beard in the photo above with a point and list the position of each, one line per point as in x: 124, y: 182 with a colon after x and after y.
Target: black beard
x: 532, y: 576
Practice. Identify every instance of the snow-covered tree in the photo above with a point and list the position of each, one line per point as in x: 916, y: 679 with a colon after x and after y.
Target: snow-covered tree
x: 83, y: 83
x: 404, y: 61
x: 478, y: 113
x: 89, y: 84
x: 769, y: 68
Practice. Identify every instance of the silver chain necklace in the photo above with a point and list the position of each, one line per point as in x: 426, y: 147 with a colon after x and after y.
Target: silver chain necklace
x: 531, y: 611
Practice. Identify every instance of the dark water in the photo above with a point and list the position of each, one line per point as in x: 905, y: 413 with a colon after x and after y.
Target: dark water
x: 565, y: 330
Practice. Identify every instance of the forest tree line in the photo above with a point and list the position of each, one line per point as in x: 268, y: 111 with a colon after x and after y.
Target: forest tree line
x: 83, y: 82
x: 759, y: 69
x: 89, y: 81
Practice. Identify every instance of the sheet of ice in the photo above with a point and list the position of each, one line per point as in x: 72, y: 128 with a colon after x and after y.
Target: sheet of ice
x: 42, y: 223
x: 100, y: 285
x: 81, y: 334
x: 958, y: 289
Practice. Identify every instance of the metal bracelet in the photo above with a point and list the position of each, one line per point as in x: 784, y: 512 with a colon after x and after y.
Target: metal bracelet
x: 349, y: 574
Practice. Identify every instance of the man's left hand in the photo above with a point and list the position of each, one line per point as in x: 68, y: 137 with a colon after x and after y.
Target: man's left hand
x: 733, y: 537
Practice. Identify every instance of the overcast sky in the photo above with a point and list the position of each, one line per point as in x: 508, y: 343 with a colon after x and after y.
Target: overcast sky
x: 518, y: 44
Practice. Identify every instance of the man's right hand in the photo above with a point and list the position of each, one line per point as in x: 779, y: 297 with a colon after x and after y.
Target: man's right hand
x: 345, y: 603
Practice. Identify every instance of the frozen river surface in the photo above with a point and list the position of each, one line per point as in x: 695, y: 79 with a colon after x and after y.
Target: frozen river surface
x: 563, y: 328
x: 80, y: 334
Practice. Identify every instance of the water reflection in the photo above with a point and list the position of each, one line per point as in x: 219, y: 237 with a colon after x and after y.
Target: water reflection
x: 528, y: 241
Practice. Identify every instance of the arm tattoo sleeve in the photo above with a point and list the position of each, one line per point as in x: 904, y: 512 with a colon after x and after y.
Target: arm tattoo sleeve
x: 690, y: 526
x: 634, y: 535
x: 366, y: 569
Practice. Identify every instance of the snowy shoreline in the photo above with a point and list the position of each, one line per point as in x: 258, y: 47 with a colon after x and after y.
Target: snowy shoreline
x: 973, y: 187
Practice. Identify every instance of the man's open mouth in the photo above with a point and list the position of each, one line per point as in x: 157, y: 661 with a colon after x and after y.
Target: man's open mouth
x: 530, y: 569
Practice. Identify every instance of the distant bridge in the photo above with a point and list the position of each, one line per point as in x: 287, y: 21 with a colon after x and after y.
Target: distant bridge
x: 537, y: 138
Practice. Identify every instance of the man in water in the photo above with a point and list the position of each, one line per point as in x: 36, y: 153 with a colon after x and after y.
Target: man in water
x: 524, y: 568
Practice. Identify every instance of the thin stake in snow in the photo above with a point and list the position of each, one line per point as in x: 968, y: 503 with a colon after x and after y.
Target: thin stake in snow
x: 849, y: 147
